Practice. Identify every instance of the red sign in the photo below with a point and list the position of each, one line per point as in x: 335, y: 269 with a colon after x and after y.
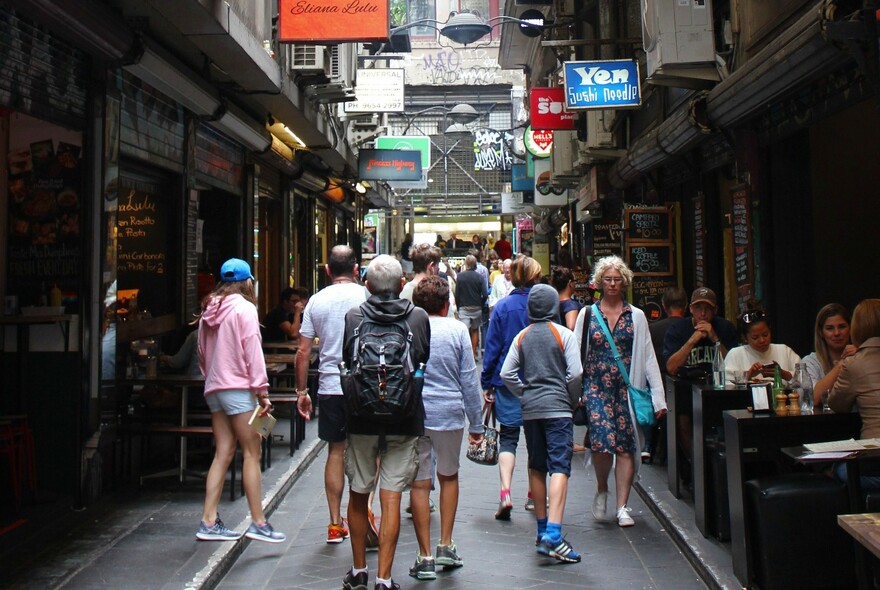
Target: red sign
x: 320, y: 21
x: 547, y: 109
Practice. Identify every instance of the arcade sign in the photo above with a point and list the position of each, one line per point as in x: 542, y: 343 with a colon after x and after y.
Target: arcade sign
x: 390, y: 165
x: 606, y: 84
x: 538, y: 143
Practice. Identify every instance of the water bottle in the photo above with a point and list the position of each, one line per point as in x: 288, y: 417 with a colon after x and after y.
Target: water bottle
x: 806, y: 388
x: 420, y: 371
x: 718, y: 374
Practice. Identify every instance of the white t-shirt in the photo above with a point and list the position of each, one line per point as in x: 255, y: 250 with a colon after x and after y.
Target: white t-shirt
x: 324, y: 318
x: 742, y: 358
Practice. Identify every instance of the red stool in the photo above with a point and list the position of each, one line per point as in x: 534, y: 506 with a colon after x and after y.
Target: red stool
x: 9, y: 449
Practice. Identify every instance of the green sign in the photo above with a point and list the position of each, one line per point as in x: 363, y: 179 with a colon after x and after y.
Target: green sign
x: 421, y: 143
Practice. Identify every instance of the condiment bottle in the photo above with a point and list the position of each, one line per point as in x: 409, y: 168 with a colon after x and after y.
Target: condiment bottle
x: 55, y: 296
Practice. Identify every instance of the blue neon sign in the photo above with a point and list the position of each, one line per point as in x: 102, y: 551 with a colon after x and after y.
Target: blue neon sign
x: 602, y: 84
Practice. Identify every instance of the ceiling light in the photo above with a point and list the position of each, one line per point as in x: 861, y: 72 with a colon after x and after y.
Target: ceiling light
x: 238, y: 125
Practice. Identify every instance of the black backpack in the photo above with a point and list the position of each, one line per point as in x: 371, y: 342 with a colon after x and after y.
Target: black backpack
x: 380, y: 384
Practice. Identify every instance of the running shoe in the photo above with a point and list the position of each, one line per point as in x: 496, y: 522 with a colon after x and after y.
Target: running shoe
x: 504, y: 508
x: 423, y: 568
x: 216, y: 532
x: 623, y: 517
x: 353, y: 581
x: 560, y: 550
x: 264, y: 532
x: 447, y: 556
x: 337, y: 533
x: 600, y: 506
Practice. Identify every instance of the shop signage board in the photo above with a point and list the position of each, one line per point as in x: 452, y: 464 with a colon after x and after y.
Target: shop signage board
x: 538, y: 143
x: 610, y: 84
x: 699, y: 212
x: 520, y: 179
x: 742, y: 244
x: 420, y: 143
x: 648, y: 224
x: 323, y: 21
x: 390, y: 165
x: 548, y: 109
x: 546, y: 194
x: 378, y: 91
x: 647, y: 293
x: 512, y: 203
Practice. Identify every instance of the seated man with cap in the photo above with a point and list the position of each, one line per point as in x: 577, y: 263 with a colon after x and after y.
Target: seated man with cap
x: 691, y: 341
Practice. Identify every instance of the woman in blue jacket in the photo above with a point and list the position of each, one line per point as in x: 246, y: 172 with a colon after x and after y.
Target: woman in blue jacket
x: 509, y: 316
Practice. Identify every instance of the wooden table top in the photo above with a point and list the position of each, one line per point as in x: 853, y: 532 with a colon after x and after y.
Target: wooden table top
x: 280, y: 358
x: 290, y: 345
x: 864, y: 528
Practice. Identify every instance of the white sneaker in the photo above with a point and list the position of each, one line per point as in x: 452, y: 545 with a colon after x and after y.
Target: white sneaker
x: 600, y: 506
x: 623, y: 517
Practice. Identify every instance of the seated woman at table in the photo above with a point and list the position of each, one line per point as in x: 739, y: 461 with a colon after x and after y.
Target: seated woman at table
x: 859, y: 379
x: 831, y: 339
x: 186, y: 358
x: 759, y: 356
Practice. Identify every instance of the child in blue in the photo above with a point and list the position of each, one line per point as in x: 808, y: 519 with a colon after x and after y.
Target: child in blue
x: 543, y: 368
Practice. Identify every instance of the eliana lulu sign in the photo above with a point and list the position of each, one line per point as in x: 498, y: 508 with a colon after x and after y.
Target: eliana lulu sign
x: 601, y: 84
x: 390, y: 165
x: 321, y: 21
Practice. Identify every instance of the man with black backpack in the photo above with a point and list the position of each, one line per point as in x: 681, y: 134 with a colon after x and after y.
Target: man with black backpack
x: 385, y: 348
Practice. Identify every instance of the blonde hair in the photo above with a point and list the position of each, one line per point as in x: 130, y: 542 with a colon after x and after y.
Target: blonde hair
x: 865, y: 321
x: 244, y: 288
x: 607, y: 263
x: 525, y: 271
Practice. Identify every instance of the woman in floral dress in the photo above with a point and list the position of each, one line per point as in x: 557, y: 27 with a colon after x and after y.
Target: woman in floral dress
x: 612, y: 424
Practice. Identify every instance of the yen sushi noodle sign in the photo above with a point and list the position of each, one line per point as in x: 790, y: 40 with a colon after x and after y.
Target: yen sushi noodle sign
x: 332, y: 20
x: 610, y: 84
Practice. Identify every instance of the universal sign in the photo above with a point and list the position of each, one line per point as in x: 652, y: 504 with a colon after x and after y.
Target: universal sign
x: 601, y: 84
x: 390, y: 165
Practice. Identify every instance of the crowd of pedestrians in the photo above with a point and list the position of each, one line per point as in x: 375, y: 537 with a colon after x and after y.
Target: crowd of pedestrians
x: 545, y: 358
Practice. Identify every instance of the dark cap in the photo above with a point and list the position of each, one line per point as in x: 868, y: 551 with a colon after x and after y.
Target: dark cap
x: 234, y: 270
x: 704, y: 295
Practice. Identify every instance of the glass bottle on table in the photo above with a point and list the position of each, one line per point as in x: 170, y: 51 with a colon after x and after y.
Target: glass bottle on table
x: 718, y: 373
x: 806, y: 388
x: 778, y: 386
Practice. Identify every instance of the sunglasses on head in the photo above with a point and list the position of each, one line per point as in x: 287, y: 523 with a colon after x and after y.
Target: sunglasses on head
x: 753, y: 316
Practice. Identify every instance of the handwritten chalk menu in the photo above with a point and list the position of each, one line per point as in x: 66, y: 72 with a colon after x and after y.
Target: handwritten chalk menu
x: 582, y: 292
x: 647, y: 293
x: 699, y: 212
x: 654, y: 224
x: 742, y: 238
x: 650, y: 259
x: 606, y: 237
x: 143, y: 244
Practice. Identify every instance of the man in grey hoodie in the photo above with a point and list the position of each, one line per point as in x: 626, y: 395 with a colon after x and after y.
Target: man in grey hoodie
x: 543, y: 368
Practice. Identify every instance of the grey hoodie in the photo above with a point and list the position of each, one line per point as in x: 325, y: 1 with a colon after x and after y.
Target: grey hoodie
x: 544, y: 374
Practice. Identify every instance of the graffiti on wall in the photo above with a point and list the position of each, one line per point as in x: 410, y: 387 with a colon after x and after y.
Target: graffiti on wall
x: 466, y: 67
x: 491, y: 151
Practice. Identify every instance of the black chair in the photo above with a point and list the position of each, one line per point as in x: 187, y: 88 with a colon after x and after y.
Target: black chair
x: 792, y: 520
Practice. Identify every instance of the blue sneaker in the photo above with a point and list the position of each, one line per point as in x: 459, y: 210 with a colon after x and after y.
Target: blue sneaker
x: 560, y: 550
x: 264, y: 532
x: 216, y: 532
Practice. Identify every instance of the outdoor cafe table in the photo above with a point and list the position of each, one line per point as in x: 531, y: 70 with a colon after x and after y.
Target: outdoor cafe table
x: 678, y: 401
x: 180, y: 384
x: 754, y: 445
x: 281, y: 346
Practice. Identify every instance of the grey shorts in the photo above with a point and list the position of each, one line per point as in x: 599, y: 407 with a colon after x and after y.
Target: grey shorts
x: 231, y: 402
x: 446, y: 445
x: 398, y: 463
x: 471, y: 318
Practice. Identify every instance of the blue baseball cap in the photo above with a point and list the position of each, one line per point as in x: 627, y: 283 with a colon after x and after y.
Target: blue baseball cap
x: 235, y: 269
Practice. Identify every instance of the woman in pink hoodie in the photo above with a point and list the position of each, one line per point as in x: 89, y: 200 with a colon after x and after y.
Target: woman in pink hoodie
x: 231, y: 359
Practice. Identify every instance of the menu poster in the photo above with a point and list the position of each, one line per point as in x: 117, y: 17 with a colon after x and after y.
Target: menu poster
x: 142, y: 247
x: 647, y: 293
x: 648, y: 224
x: 44, y: 247
x: 742, y: 237
x: 699, y: 209
x: 583, y: 294
x: 607, y: 238
x: 650, y: 259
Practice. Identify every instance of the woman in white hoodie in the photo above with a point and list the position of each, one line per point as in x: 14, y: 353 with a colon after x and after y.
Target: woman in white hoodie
x: 231, y: 359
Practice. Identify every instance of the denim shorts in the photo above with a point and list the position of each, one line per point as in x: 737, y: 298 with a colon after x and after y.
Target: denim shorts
x: 231, y: 401
x: 508, y: 438
x: 550, y: 444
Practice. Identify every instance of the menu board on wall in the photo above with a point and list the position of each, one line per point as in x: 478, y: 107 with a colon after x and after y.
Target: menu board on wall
x: 647, y: 293
x: 142, y: 247
x: 648, y: 224
x: 582, y: 293
x: 699, y: 208
x: 607, y: 238
x: 742, y: 251
x: 44, y: 247
x: 650, y: 259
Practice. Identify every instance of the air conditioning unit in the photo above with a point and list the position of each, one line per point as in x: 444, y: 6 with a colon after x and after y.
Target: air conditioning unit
x: 679, y: 41
x: 600, y: 143
x: 311, y: 59
x: 365, y: 120
x: 564, y: 169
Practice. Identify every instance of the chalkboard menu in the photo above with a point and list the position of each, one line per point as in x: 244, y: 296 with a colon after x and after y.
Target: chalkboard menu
x: 742, y: 250
x: 648, y: 224
x: 582, y: 292
x: 647, y: 293
x: 143, y: 245
x: 699, y: 208
x: 650, y: 259
x: 607, y: 238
